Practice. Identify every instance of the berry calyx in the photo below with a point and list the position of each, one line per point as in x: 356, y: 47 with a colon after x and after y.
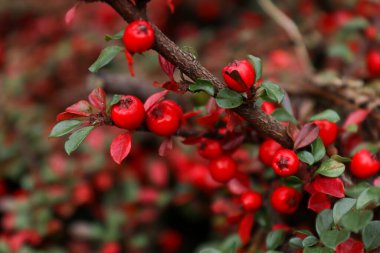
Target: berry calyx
x: 128, y: 113
x: 285, y: 163
x: 210, y: 149
x: 364, y: 164
x: 222, y: 169
x: 251, y: 201
x: 138, y: 36
x: 267, y: 151
x: 164, y: 118
x: 327, y: 131
x: 246, y: 72
x: 285, y: 199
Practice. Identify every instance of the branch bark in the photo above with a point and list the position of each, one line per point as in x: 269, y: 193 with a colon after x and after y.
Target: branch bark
x: 262, y: 122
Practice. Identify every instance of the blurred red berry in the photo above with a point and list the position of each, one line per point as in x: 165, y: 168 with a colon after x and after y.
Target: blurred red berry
x: 251, y: 201
x: 364, y: 164
x: 285, y: 199
x: 373, y: 63
x: 327, y: 131
x: 267, y: 151
x: 222, y: 169
x: 210, y: 149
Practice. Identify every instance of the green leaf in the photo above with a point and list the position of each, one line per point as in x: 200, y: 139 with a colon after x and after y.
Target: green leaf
x: 356, y: 24
x: 64, y: 127
x: 332, y: 238
x: 302, y: 231
x: 292, y: 181
x: 227, y: 98
x: 77, y: 138
x: 370, y: 196
x: 272, y: 92
x: 105, y: 57
x: 231, y: 244
x: 356, y: 190
x: 317, y: 250
x: 331, y: 168
x: 355, y: 220
x: 275, y: 239
x: 353, y: 128
x: 328, y: 114
x: 310, y: 241
x: 202, y: 85
x: 324, y: 221
x: 115, y: 36
x: 341, y: 159
x: 257, y: 65
x: 115, y: 99
x: 341, y: 51
x: 283, y: 115
x: 341, y: 207
x: 318, y: 149
x: 209, y: 250
x: 306, y: 157
x: 371, y: 235
x: 295, y: 242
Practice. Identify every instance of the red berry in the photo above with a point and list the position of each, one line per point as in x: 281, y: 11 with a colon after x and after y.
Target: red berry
x: 285, y: 199
x: 373, y: 63
x: 267, y: 151
x: 327, y: 131
x: 246, y: 72
x: 210, y: 149
x: 103, y: 181
x: 285, y: 163
x: 268, y: 107
x: 370, y: 32
x: 251, y: 201
x: 83, y: 194
x: 138, y: 36
x: 164, y: 118
x: 222, y: 169
x: 128, y: 113
x: 364, y: 164
x: 110, y: 247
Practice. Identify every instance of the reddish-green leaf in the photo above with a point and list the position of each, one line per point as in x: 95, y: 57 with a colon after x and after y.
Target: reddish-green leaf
x: 120, y: 147
x: 153, y: 99
x: 319, y: 202
x: 81, y: 108
x: 97, y: 98
x: 330, y: 186
x: 308, y: 133
x: 356, y: 117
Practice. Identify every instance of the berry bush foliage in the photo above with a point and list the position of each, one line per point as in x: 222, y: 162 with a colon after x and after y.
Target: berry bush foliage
x: 256, y: 131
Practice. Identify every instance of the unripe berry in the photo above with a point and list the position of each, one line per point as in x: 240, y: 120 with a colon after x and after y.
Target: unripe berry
x: 246, y: 72
x: 327, y: 131
x: 285, y: 199
x: 373, y: 63
x: 251, y: 201
x: 267, y: 151
x: 222, y: 169
x: 285, y: 163
x: 164, y: 118
x: 128, y: 113
x: 210, y: 149
x: 364, y: 164
x: 138, y: 36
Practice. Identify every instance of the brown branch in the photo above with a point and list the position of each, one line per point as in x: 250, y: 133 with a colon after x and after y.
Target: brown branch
x: 262, y: 122
x: 292, y: 30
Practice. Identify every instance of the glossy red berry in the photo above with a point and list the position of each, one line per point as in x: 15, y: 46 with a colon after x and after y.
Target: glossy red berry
x: 285, y: 163
x: 285, y: 199
x: 373, y: 63
x: 364, y: 164
x: 210, y: 149
x: 128, y: 113
x: 222, y: 169
x: 267, y: 151
x: 327, y: 131
x: 246, y: 72
x: 251, y: 201
x: 164, y: 118
x: 138, y: 36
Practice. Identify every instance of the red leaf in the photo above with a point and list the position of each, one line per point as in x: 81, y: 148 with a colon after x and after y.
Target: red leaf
x: 167, y: 67
x: 191, y: 114
x: 82, y: 108
x: 330, y: 186
x: 351, y: 246
x: 309, y: 132
x: 318, y: 202
x: 66, y: 116
x: 233, y: 141
x: 120, y: 147
x: 239, y: 184
x: 129, y: 58
x: 232, y: 120
x: 70, y: 15
x: 97, y: 98
x: 292, y: 130
x: 209, y: 120
x: 192, y: 140
x: 153, y: 99
x: 245, y: 227
x: 165, y: 146
x: 309, y: 188
x: 170, y: 4
x: 356, y: 117
x: 169, y: 85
